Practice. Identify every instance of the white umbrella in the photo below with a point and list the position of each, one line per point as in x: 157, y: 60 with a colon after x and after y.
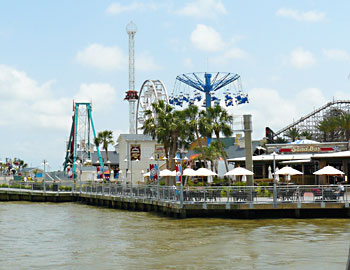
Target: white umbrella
x: 277, y: 175
x: 147, y: 174
x: 203, y: 172
x: 239, y: 171
x: 288, y: 171
x: 166, y: 172
x: 328, y: 170
x: 188, y: 172
x: 270, y: 176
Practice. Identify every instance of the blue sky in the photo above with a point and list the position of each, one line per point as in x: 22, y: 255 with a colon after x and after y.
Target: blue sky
x: 292, y: 56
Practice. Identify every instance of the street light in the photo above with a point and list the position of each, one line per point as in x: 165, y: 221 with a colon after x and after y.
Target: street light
x: 78, y: 163
x: 158, y: 174
x: 181, y: 185
x: 44, y: 163
x: 274, y: 178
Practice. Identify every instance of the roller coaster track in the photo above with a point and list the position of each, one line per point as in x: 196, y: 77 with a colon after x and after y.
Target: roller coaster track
x: 310, y: 121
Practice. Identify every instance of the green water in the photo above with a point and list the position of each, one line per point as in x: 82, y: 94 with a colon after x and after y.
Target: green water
x: 74, y: 236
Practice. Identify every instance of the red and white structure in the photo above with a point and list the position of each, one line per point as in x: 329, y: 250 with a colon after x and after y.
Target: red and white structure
x: 131, y: 94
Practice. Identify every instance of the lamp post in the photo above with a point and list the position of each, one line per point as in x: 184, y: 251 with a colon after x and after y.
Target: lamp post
x: 274, y: 178
x: 44, y: 163
x: 181, y: 185
x: 78, y: 164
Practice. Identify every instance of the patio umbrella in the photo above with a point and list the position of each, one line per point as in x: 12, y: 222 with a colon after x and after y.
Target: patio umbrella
x: 167, y: 172
x: 288, y: 171
x: 203, y: 172
x: 270, y: 176
x: 328, y: 170
x: 188, y: 172
x: 239, y: 171
x: 277, y: 175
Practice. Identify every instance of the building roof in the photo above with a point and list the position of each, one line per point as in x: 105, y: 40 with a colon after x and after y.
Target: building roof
x: 135, y: 137
x: 277, y: 157
x: 341, y: 154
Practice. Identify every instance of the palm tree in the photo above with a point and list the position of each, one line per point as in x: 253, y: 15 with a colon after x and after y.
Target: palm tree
x: 293, y: 134
x: 344, y: 124
x: 217, y: 120
x: 193, y: 116
x: 169, y: 127
x: 306, y: 134
x: 328, y: 126
x: 105, y: 138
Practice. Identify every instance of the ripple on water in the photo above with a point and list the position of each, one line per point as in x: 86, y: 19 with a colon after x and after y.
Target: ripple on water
x: 75, y: 236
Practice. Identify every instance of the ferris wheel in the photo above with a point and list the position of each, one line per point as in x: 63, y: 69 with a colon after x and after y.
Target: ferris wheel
x: 151, y: 91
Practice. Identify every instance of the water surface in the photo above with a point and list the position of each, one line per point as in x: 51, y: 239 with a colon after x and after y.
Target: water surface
x: 76, y: 236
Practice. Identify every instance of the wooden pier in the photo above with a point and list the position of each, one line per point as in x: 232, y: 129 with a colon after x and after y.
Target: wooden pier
x: 190, y: 209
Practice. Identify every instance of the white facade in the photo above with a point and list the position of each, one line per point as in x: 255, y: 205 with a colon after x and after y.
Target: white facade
x: 132, y: 171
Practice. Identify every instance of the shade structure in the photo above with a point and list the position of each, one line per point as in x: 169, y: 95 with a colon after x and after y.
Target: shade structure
x: 166, y: 172
x: 288, y: 171
x: 204, y: 172
x: 270, y: 176
x: 328, y: 170
x: 147, y: 174
x: 239, y: 171
x: 188, y: 172
x: 304, y: 142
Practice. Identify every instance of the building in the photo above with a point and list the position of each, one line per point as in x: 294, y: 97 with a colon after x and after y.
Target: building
x: 306, y: 157
x: 136, y: 153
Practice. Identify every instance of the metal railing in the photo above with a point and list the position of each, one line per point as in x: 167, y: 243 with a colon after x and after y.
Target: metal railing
x: 195, y: 195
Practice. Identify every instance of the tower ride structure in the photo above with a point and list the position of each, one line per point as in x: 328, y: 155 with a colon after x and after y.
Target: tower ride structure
x: 80, y: 146
x: 131, y: 94
x: 188, y: 88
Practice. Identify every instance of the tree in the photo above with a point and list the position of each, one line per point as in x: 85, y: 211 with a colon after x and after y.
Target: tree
x: 328, y: 126
x: 344, y: 124
x: 306, y: 134
x: 218, y: 121
x: 105, y: 138
x: 193, y: 116
x: 168, y: 127
x: 293, y: 134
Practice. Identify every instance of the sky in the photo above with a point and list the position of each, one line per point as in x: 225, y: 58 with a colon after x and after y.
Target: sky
x: 292, y: 56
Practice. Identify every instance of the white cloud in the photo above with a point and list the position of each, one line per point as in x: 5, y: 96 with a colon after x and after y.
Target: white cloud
x: 102, y: 57
x: 102, y: 95
x: 269, y: 108
x: 203, y: 9
x: 113, y: 58
x: 308, y: 16
x: 228, y: 56
x: 335, y: 54
x: 117, y: 8
x: 145, y: 62
x: 300, y: 58
x: 26, y: 103
x: 206, y: 38
x: 188, y: 63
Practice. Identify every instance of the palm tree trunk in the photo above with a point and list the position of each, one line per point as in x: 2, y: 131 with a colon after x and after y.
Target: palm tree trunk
x: 222, y: 150
x: 201, y: 148
x: 109, y: 164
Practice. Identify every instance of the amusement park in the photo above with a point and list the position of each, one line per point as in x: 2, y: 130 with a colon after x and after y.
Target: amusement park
x: 184, y: 146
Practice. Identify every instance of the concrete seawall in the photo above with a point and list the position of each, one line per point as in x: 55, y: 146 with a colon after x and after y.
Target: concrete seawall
x: 195, y: 209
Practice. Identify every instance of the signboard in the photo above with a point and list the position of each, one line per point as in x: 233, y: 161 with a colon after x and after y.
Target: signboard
x: 153, y: 169
x: 135, y: 152
x: 178, y: 173
x: 306, y: 149
x: 159, y: 151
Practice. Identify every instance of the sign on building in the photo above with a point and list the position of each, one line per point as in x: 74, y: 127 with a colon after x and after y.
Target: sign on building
x: 135, y: 152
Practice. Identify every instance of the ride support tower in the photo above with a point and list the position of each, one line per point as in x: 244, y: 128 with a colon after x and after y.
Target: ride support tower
x: 131, y: 94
